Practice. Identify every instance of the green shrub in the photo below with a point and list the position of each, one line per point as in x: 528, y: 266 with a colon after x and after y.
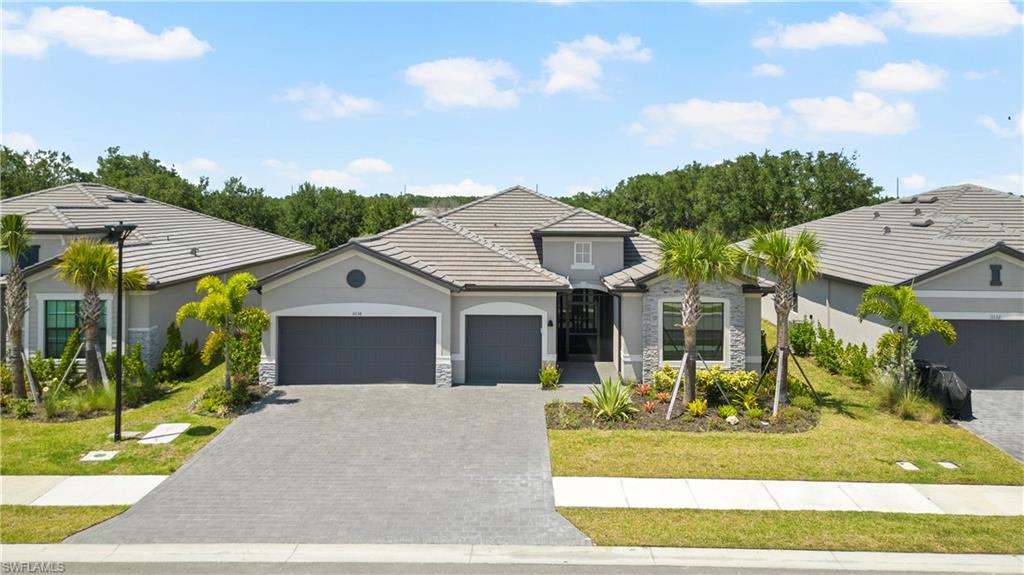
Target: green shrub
x: 734, y: 383
x: 906, y: 403
x: 566, y: 416
x: 92, y: 399
x: 245, y: 359
x: 697, y: 407
x: 755, y: 413
x: 749, y: 401
x: 802, y: 337
x: 611, y: 401
x: 858, y: 365
x: 220, y: 401
x: 665, y: 378
x: 67, y: 361
x: 725, y: 411
x: 22, y: 408
x: 43, y: 368
x: 804, y: 402
x: 549, y: 375
x: 6, y: 379
x: 828, y: 351
x: 173, y: 363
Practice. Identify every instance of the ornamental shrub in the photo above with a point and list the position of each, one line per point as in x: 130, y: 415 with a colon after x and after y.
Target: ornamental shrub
x: 725, y: 411
x: 67, y: 361
x: 697, y: 407
x: 802, y: 337
x: 734, y: 383
x: 828, y: 351
x: 665, y: 378
x: 549, y: 375
x: 173, y: 363
x: 859, y: 365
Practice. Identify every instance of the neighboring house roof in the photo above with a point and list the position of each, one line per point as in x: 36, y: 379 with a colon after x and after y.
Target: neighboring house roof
x: 903, y: 240
x: 172, y: 243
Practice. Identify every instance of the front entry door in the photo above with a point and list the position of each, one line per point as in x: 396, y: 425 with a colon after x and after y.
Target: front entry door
x: 584, y: 323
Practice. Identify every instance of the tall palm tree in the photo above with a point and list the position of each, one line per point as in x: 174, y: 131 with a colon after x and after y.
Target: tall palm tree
x: 696, y: 258
x: 91, y: 266
x: 792, y: 261
x: 15, y: 238
x: 222, y: 308
x: 907, y: 319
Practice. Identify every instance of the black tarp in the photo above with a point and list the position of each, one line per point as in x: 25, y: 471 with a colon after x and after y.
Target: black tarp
x: 945, y: 387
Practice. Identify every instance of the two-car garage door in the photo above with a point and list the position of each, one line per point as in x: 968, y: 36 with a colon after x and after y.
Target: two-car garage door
x: 355, y: 350
x: 987, y: 353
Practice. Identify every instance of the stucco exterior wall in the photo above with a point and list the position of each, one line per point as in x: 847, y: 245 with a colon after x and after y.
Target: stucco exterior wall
x: 631, y: 352
x: 606, y: 254
x: 976, y: 276
x: 752, y: 331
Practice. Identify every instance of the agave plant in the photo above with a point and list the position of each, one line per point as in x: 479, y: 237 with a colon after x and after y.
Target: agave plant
x: 612, y: 401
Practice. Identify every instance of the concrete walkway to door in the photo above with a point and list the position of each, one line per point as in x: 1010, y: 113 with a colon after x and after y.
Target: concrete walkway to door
x: 364, y: 464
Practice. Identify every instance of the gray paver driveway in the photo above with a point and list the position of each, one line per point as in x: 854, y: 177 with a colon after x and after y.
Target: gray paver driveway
x: 363, y: 464
x: 999, y: 419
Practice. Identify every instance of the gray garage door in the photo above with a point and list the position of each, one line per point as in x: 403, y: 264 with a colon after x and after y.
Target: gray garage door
x: 987, y: 354
x: 502, y: 348
x: 330, y: 350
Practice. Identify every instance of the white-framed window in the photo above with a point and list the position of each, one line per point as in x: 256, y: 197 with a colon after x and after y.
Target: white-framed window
x: 583, y: 254
x: 712, y: 337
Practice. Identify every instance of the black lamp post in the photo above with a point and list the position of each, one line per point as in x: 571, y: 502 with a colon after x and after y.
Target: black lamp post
x: 120, y: 231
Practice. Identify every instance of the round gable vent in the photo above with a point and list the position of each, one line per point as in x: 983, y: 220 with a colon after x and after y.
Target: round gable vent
x: 356, y: 278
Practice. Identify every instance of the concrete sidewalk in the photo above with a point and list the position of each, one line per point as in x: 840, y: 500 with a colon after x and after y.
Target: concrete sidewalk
x: 788, y: 495
x: 512, y: 555
x: 75, y: 490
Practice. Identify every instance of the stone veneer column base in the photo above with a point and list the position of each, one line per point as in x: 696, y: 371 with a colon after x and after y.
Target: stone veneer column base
x: 268, y: 372
x: 443, y: 372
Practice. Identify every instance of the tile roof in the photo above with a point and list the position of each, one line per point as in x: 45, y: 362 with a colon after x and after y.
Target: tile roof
x: 584, y: 222
x: 174, y: 244
x: 893, y: 242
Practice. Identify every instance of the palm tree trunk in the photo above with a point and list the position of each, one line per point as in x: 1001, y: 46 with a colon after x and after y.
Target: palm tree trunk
x: 92, y: 308
x: 691, y: 315
x: 15, y: 301
x: 783, y: 307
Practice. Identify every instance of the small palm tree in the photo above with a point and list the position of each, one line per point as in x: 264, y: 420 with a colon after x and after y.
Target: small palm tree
x: 222, y: 308
x: 91, y: 265
x: 696, y: 258
x: 907, y: 318
x: 15, y: 238
x: 792, y: 261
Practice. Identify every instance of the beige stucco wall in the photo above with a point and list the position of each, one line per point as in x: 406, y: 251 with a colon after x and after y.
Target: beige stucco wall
x: 606, y: 253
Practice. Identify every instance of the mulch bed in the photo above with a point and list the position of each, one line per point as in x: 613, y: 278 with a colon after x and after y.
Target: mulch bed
x: 575, y: 415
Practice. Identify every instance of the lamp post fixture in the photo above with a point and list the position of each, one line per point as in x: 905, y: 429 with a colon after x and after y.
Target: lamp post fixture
x: 120, y: 231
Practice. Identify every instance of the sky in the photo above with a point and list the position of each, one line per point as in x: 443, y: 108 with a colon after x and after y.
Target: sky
x: 468, y: 99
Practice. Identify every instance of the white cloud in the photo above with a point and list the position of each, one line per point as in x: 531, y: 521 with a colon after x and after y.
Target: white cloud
x: 1004, y: 128
x: 466, y: 187
x: 967, y: 18
x: 196, y: 167
x: 282, y: 168
x: 841, y: 29
x: 913, y: 76
x: 865, y: 113
x: 20, y: 141
x: 980, y: 74
x: 913, y: 182
x: 707, y: 122
x: 321, y: 102
x: 97, y: 33
x: 772, y: 70
x: 576, y: 66
x: 369, y: 166
x: 333, y: 178
x: 455, y: 82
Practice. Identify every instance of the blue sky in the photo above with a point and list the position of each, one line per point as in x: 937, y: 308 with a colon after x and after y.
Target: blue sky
x: 471, y: 98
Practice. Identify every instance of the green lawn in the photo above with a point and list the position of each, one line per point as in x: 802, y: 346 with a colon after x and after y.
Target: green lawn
x: 832, y: 530
x: 41, y: 448
x: 852, y: 442
x: 31, y: 524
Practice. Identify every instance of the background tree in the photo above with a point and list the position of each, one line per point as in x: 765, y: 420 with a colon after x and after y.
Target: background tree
x: 24, y: 172
x: 91, y: 266
x: 147, y: 176
x: 384, y: 212
x: 695, y: 258
x: 324, y: 217
x: 223, y: 309
x: 239, y: 203
x: 790, y: 261
x: 15, y: 238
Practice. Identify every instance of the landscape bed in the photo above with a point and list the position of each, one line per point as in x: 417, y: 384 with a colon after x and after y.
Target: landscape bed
x: 565, y: 415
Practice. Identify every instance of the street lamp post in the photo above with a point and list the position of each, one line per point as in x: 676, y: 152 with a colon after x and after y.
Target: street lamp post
x: 121, y: 231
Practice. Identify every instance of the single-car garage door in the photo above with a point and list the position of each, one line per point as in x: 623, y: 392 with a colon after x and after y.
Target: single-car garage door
x: 987, y: 353
x: 330, y: 350
x: 503, y: 348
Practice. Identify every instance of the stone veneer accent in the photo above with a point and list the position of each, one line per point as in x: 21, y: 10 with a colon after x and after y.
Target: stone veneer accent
x: 443, y: 372
x: 147, y: 338
x: 674, y: 288
x: 268, y: 372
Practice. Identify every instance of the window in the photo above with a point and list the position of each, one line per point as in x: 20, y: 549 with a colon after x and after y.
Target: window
x: 583, y: 255
x: 29, y: 258
x: 62, y: 317
x: 710, y: 331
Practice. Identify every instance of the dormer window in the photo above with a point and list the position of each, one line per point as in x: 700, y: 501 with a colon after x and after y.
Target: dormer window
x: 583, y: 255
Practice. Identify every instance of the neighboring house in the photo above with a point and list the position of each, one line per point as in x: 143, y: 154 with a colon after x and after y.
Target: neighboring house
x: 960, y: 247
x: 174, y: 245
x: 488, y: 292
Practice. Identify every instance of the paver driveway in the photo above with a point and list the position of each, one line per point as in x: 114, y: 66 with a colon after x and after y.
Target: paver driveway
x: 363, y: 464
x: 999, y: 419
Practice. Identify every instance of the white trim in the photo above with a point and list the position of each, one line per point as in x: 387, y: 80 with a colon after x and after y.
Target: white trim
x: 41, y: 299
x: 632, y: 358
x: 726, y: 331
x: 986, y: 294
x: 577, y: 264
x: 992, y: 316
x: 493, y: 294
x: 504, y: 308
x: 995, y: 255
x: 319, y: 266
x: 355, y: 309
x: 589, y: 285
x: 581, y: 267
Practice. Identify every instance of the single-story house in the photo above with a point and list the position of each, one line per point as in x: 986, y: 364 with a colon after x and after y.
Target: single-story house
x: 175, y: 246
x: 959, y: 247
x: 489, y: 292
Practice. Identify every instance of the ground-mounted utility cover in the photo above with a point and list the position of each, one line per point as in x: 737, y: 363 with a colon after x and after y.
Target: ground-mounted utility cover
x: 907, y: 466
x: 948, y: 464
x: 164, y: 433
x: 99, y: 456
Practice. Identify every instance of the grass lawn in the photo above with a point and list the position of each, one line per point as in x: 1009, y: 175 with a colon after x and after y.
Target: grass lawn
x: 852, y: 442
x: 831, y: 530
x: 31, y: 524
x: 41, y: 448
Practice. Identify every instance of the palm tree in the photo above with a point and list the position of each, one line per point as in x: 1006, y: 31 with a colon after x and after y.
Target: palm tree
x: 222, y: 309
x: 15, y: 238
x: 791, y: 261
x: 907, y: 318
x: 91, y: 265
x: 695, y: 258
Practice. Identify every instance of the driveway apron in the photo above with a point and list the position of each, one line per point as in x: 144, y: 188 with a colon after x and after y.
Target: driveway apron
x: 363, y: 464
x: 999, y: 419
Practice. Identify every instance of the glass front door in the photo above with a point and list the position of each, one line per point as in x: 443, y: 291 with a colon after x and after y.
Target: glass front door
x: 583, y: 315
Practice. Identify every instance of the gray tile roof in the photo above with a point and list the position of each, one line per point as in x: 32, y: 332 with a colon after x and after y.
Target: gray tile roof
x: 584, y: 223
x: 882, y: 245
x: 172, y: 243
